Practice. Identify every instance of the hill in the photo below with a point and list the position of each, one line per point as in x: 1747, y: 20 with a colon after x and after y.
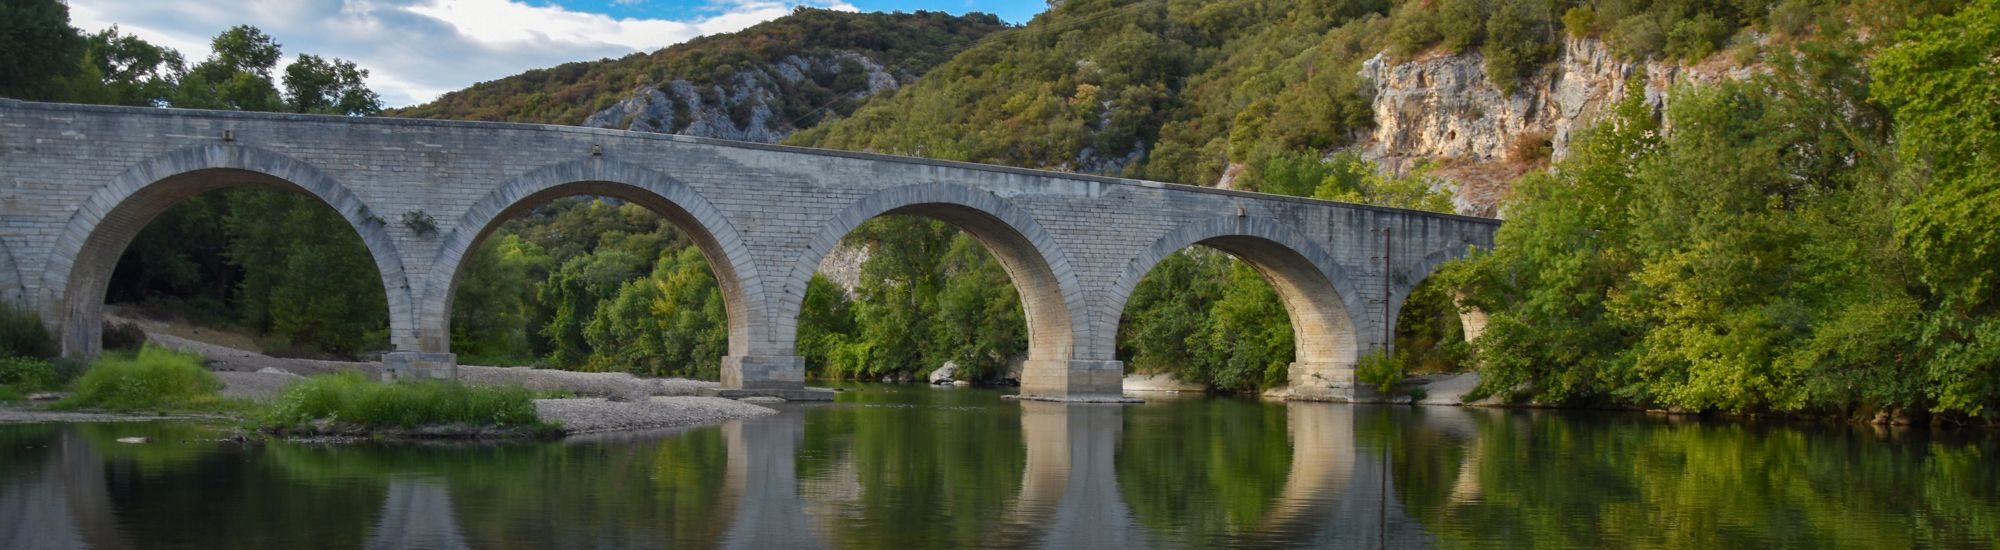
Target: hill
x: 757, y: 84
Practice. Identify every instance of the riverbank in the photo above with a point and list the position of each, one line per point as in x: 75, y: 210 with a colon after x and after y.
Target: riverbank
x: 576, y: 402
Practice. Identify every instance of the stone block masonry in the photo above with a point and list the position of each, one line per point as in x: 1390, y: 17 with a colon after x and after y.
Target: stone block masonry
x: 77, y: 183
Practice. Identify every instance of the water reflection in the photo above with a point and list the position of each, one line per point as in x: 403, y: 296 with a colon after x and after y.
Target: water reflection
x: 417, y: 514
x: 925, y: 468
x: 1072, y: 474
x: 763, y: 481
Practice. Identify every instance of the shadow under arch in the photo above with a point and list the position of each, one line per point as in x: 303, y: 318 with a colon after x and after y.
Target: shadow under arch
x: 687, y: 210
x: 1051, y: 297
x: 79, y: 268
x: 1317, y: 293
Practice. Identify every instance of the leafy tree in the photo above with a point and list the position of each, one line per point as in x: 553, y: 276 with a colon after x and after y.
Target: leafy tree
x: 236, y: 75
x: 131, y: 71
x: 316, y: 85
x: 39, y: 51
x: 1939, y: 81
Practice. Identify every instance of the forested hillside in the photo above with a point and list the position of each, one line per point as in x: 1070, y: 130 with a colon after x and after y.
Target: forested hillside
x: 758, y: 84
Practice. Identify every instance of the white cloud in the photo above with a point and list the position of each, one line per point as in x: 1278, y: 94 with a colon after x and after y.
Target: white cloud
x: 416, y: 50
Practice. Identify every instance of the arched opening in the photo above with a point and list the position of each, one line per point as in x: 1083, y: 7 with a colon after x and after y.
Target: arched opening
x: 1430, y: 332
x: 593, y: 274
x: 951, y: 275
x: 629, y: 271
x: 302, y: 286
x: 1252, y: 307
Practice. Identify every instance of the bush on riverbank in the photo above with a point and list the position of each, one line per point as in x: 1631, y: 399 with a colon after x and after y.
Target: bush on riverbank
x: 154, y: 379
x: 22, y: 334
x: 347, y: 403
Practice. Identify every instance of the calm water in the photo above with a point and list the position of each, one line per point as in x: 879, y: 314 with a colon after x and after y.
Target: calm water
x: 921, y: 468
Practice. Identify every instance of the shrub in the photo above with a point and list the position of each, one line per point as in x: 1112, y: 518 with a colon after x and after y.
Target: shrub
x: 1379, y: 369
x: 349, y: 400
x: 23, y: 335
x: 27, y: 374
x: 154, y: 379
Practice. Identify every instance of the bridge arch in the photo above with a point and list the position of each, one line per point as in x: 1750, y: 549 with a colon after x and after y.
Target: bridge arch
x: 686, y: 209
x: 1317, y: 293
x: 79, y: 268
x: 1051, y: 296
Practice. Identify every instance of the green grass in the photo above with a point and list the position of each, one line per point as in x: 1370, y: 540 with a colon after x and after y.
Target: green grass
x: 349, y: 401
x: 154, y: 379
x: 25, y: 374
x: 9, y: 395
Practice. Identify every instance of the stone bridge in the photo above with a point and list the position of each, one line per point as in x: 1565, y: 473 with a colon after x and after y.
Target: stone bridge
x: 77, y: 183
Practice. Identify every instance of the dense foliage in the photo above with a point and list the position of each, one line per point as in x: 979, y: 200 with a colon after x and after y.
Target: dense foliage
x: 906, y: 44
x: 1772, y: 251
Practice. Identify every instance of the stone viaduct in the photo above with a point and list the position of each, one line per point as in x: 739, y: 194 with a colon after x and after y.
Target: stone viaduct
x: 77, y: 183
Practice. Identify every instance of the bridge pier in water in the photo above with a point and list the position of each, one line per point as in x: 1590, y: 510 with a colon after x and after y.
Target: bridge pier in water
x: 86, y: 179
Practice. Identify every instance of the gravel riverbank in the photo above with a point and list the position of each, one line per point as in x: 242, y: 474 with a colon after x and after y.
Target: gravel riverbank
x: 604, y: 401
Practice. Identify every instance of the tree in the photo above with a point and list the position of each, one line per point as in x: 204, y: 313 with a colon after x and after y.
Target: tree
x: 236, y: 75
x: 1940, y: 80
x: 132, y: 71
x: 39, y: 51
x: 321, y: 86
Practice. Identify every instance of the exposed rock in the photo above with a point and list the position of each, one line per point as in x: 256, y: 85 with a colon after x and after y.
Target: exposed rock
x: 133, y: 440
x: 1442, y: 107
x: 843, y: 266
x: 762, y: 399
x: 743, y: 107
x: 945, y: 374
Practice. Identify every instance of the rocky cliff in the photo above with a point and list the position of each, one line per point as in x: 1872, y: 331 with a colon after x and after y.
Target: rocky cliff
x: 748, y: 105
x: 1442, y: 108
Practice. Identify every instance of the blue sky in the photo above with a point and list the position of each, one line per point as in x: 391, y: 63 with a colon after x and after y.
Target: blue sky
x: 416, y: 50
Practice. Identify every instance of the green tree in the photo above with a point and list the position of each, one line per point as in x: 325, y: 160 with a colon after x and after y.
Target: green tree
x: 39, y: 51
x: 236, y: 75
x: 1939, y: 80
x: 335, y: 87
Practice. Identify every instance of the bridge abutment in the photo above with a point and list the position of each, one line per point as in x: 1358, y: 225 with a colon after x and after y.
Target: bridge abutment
x: 1329, y: 381
x: 1074, y: 381
x: 781, y: 376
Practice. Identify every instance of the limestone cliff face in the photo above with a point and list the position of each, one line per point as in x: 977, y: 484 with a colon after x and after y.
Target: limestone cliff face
x: 745, y: 107
x: 1441, y: 107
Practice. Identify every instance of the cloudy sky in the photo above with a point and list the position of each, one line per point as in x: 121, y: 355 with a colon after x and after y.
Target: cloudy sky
x: 418, y: 49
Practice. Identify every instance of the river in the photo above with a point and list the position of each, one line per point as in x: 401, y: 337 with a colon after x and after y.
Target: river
x: 917, y: 467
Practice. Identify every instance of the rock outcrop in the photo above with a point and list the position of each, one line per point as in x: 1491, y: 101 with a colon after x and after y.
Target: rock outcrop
x: 1441, y: 107
x: 744, y: 107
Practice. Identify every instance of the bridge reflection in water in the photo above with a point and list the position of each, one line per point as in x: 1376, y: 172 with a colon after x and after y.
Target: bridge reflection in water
x: 60, y: 491
x: 922, y: 468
